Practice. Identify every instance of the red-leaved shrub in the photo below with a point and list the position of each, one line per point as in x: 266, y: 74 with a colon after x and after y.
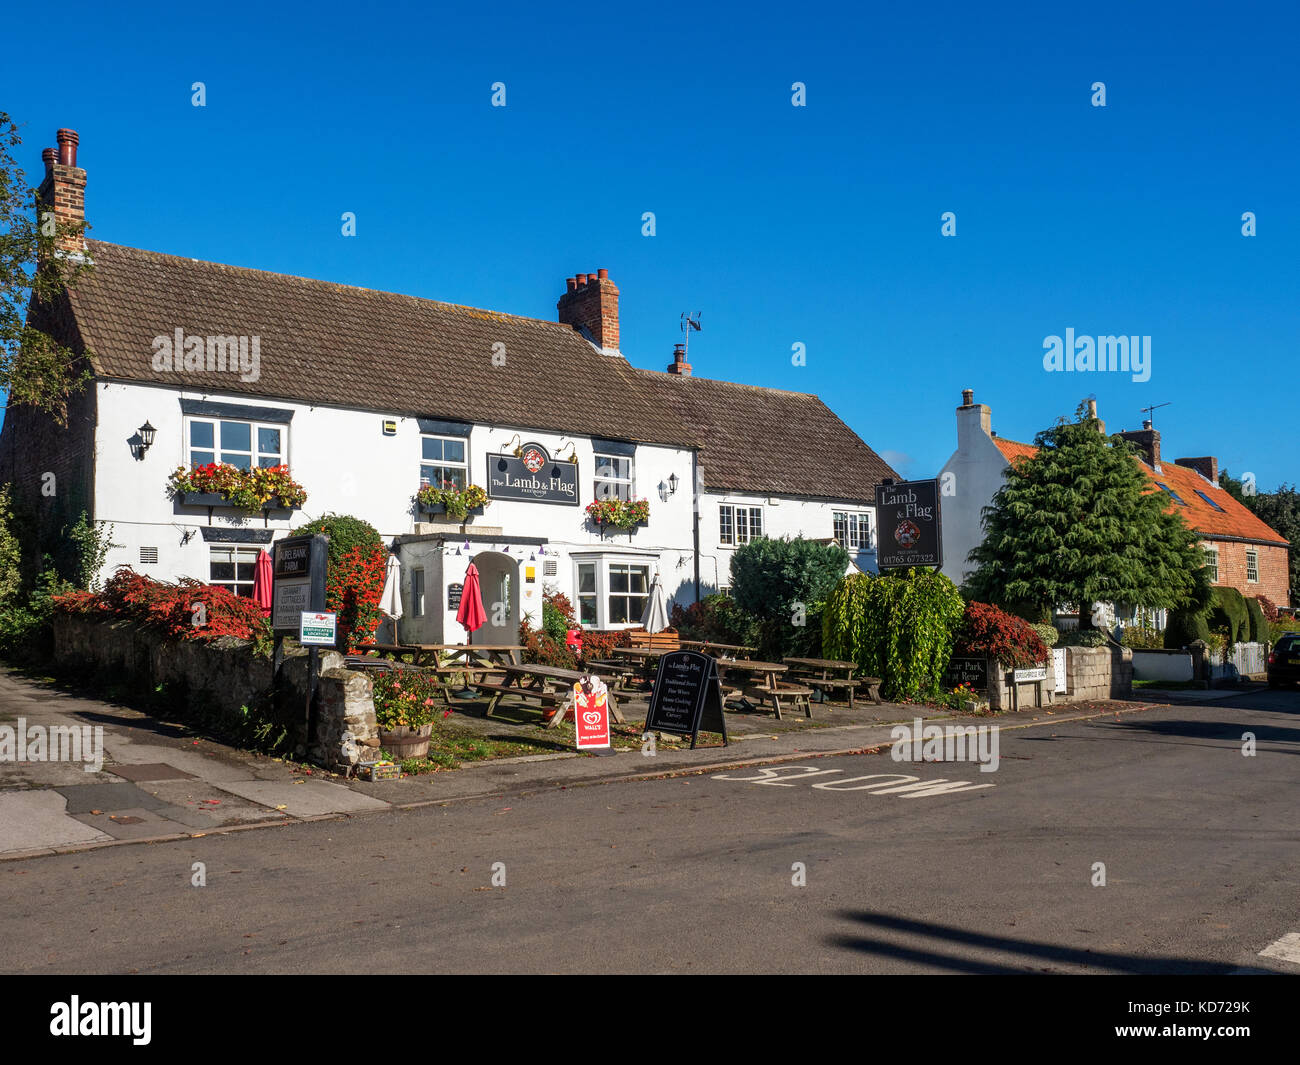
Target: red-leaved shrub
x: 187, y: 610
x: 1270, y: 609
x: 987, y: 632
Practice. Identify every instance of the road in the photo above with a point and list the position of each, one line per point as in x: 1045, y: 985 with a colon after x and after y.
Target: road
x: 698, y: 873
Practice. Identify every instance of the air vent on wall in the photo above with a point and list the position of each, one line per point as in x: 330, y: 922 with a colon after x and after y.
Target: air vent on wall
x: 148, y: 556
x: 550, y: 568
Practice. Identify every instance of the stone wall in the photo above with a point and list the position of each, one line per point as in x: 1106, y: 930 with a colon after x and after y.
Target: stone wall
x: 225, y: 675
x: 1098, y: 673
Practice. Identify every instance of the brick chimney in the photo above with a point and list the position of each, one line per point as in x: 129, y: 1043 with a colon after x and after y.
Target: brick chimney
x: 591, y: 306
x: 972, y: 418
x: 1148, y: 442
x: 1207, y: 466
x: 64, y: 191
x: 679, y: 365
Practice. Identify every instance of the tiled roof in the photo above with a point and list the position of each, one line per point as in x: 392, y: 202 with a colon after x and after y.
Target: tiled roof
x: 1012, y: 449
x: 766, y: 440
x: 1233, y: 520
x: 331, y: 344
x: 353, y: 347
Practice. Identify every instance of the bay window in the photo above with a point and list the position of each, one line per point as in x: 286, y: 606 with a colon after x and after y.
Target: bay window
x: 611, y: 591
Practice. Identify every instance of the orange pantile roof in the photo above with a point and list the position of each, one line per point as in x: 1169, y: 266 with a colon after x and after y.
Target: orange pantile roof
x: 1234, y: 521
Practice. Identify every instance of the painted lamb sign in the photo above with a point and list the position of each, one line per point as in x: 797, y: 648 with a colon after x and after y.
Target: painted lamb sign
x: 907, y: 514
x: 532, y: 476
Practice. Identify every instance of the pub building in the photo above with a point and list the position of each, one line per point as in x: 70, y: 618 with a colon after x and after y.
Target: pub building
x: 368, y: 395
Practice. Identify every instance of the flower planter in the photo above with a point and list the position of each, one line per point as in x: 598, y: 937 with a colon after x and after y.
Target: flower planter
x: 435, y: 509
x: 403, y: 742
x: 216, y: 499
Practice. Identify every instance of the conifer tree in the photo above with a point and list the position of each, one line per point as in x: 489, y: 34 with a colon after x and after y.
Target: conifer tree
x: 1079, y: 523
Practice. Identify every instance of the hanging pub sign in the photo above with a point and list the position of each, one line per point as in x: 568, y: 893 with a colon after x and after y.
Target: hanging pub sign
x: 907, y: 520
x: 298, y: 581
x: 532, y: 477
x: 687, y: 697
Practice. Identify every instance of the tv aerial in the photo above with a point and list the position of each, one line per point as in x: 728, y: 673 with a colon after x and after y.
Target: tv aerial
x: 1150, y: 411
x: 689, y: 321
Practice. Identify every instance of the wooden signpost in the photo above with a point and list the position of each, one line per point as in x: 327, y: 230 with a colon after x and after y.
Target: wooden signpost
x: 687, y: 698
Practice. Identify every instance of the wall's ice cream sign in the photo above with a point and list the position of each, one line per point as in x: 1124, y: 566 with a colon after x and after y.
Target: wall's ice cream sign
x: 533, y: 477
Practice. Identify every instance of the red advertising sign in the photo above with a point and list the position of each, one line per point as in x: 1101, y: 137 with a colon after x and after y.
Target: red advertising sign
x: 591, y: 714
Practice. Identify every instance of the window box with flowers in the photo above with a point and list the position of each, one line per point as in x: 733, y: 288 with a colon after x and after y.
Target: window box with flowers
x: 619, y: 513
x: 218, y: 484
x: 459, y: 503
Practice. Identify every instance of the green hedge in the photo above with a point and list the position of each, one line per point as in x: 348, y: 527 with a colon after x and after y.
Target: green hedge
x: 1184, y: 627
x: 1258, y: 622
x: 1228, y: 614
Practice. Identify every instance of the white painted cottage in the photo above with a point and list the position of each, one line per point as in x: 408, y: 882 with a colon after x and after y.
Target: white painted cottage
x: 365, y: 395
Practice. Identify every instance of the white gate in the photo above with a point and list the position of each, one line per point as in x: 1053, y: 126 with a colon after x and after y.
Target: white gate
x: 1058, y: 668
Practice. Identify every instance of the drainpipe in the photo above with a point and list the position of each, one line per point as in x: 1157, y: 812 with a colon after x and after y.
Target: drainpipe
x: 695, y: 481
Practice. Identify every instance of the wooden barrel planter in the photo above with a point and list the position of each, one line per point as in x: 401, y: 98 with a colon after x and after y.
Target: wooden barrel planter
x: 403, y: 742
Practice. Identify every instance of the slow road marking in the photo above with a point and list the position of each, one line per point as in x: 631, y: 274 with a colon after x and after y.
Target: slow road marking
x: 897, y: 784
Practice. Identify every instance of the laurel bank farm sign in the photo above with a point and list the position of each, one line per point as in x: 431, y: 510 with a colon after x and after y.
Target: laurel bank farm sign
x: 533, y: 477
x: 907, y: 514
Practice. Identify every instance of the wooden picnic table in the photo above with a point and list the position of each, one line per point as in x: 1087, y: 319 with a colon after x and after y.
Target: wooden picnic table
x: 549, y: 685
x: 497, y: 654
x: 739, y: 650
x: 768, y: 684
x: 830, y: 674
x: 418, y: 653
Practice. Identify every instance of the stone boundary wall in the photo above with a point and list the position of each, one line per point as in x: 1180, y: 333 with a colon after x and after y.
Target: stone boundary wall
x: 226, y: 676
x: 1098, y: 673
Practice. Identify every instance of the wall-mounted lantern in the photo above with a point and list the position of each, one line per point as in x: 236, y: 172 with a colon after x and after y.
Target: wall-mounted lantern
x: 142, y: 441
x: 668, y: 488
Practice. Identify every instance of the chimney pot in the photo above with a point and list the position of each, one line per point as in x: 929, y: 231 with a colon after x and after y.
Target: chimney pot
x: 1146, y: 424
x: 582, y: 280
x: 572, y: 284
x: 603, y: 274
x: 967, y: 396
x: 68, y: 141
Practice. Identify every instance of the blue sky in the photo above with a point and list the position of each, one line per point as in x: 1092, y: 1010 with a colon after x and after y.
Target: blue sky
x: 817, y: 225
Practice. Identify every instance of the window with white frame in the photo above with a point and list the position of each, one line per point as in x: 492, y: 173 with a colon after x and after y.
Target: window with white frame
x: 1252, y: 564
x: 238, y: 443
x: 442, y: 462
x: 853, y: 531
x: 232, y: 568
x: 739, y: 525
x: 611, y: 591
x: 1212, y: 563
x: 614, y: 478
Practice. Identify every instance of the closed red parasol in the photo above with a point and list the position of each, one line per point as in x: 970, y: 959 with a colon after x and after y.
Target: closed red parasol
x: 471, y: 613
x: 262, y: 581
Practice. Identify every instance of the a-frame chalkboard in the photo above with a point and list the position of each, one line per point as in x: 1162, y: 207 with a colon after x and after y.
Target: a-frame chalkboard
x: 687, y: 698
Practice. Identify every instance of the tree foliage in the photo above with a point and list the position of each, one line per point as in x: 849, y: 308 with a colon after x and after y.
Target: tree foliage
x: 1079, y: 523
x: 899, y: 628
x: 35, y: 370
x: 783, y: 584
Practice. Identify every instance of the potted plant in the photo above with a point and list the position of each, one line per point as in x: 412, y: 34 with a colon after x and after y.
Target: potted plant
x: 619, y: 513
x: 221, y: 484
x: 459, y: 503
x: 404, y: 711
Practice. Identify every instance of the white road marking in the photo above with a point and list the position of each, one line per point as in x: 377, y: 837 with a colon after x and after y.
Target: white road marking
x: 1285, y: 949
x: 899, y: 784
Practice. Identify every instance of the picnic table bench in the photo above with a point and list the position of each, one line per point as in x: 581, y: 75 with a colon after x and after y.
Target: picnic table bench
x: 718, y: 650
x: 551, y: 686
x: 829, y: 674
x: 769, y: 685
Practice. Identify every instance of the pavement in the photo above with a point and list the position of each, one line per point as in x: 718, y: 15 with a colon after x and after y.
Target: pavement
x: 160, y: 781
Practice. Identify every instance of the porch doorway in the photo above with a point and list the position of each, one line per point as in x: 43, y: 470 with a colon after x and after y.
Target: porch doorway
x: 498, y: 576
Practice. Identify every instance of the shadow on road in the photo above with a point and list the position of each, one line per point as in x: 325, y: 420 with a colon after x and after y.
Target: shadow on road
x: 1032, y: 956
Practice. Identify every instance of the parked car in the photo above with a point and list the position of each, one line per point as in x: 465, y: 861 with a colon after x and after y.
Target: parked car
x: 1284, y: 661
